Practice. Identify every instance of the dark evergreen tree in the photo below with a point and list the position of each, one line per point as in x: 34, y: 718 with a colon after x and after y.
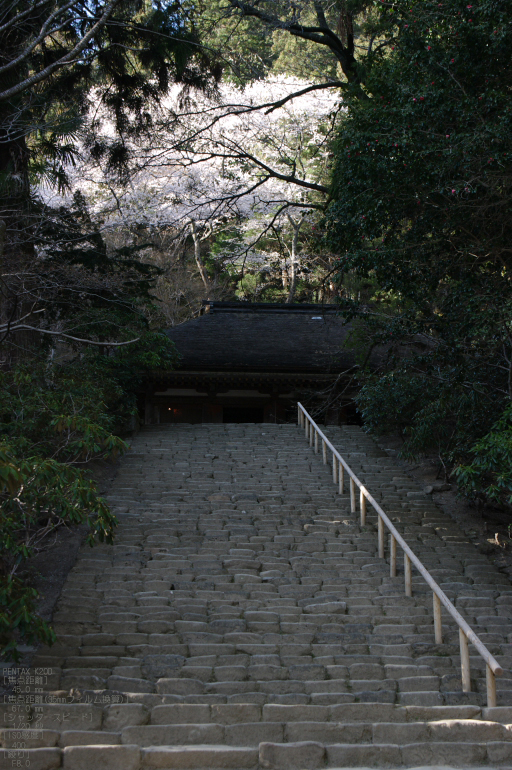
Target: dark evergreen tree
x: 54, y: 56
x: 422, y: 206
x: 62, y: 405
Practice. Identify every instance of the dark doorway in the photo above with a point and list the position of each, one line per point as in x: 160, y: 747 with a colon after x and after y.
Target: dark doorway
x: 352, y: 416
x: 243, y: 414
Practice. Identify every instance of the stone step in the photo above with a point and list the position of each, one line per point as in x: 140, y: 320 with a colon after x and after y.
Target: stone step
x: 200, y: 757
x: 252, y: 734
x: 268, y: 756
x: 79, y: 717
x: 312, y: 755
x: 243, y: 619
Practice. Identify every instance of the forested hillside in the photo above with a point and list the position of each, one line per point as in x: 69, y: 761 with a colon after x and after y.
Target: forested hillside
x: 154, y: 153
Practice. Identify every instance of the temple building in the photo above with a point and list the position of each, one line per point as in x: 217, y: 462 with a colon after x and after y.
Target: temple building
x: 252, y: 362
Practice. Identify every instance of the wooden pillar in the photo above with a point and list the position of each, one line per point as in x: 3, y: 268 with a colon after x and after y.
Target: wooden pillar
x: 148, y: 405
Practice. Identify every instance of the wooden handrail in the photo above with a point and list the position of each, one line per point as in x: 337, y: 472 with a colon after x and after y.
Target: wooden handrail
x: 466, y: 633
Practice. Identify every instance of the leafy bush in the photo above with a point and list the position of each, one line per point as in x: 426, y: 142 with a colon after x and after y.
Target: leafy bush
x: 54, y: 419
x: 489, y: 475
x: 38, y: 495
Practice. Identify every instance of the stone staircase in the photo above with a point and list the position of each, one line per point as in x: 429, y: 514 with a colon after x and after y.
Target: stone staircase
x: 243, y: 619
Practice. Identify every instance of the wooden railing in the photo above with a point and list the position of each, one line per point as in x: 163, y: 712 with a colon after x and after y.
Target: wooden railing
x: 466, y: 633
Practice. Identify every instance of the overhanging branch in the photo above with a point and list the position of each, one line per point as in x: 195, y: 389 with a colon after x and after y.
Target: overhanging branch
x: 37, y: 77
x: 26, y: 327
x: 322, y: 34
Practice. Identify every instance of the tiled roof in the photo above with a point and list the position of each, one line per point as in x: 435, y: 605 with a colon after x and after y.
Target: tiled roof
x: 279, y: 338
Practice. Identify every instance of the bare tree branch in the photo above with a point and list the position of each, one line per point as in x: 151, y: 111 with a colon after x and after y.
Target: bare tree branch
x: 314, y: 87
x: 22, y: 15
x: 27, y: 327
x: 290, y: 178
x: 68, y: 58
x: 44, y: 32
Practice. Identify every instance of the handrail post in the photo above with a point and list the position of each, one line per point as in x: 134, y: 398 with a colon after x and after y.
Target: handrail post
x: 408, y: 575
x: 466, y: 634
x: 381, y: 537
x: 392, y: 557
x: 438, y: 631
x: 464, y: 662
x: 491, y: 686
x: 352, y: 495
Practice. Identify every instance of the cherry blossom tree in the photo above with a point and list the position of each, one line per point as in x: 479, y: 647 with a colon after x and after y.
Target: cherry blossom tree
x: 253, y: 158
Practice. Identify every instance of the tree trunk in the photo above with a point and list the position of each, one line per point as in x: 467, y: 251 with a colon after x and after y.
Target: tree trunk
x: 15, y: 203
x: 18, y: 219
x: 197, y: 255
x: 294, y: 262
x: 3, y: 228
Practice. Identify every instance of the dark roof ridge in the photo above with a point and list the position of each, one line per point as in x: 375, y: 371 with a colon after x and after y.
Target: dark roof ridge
x: 212, y: 306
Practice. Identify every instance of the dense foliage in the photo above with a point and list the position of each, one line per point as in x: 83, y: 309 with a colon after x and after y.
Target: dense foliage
x: 54, y: 418
x: 130, y: 52
x: 63, y: 402
x: 78, y: 325
x: 251, y: 50
x: 422, y: 185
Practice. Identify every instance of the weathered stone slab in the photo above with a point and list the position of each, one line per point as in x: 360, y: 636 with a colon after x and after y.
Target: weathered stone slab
x: 305, y: 755
x: 200, y: 758
x: 101, y: 758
